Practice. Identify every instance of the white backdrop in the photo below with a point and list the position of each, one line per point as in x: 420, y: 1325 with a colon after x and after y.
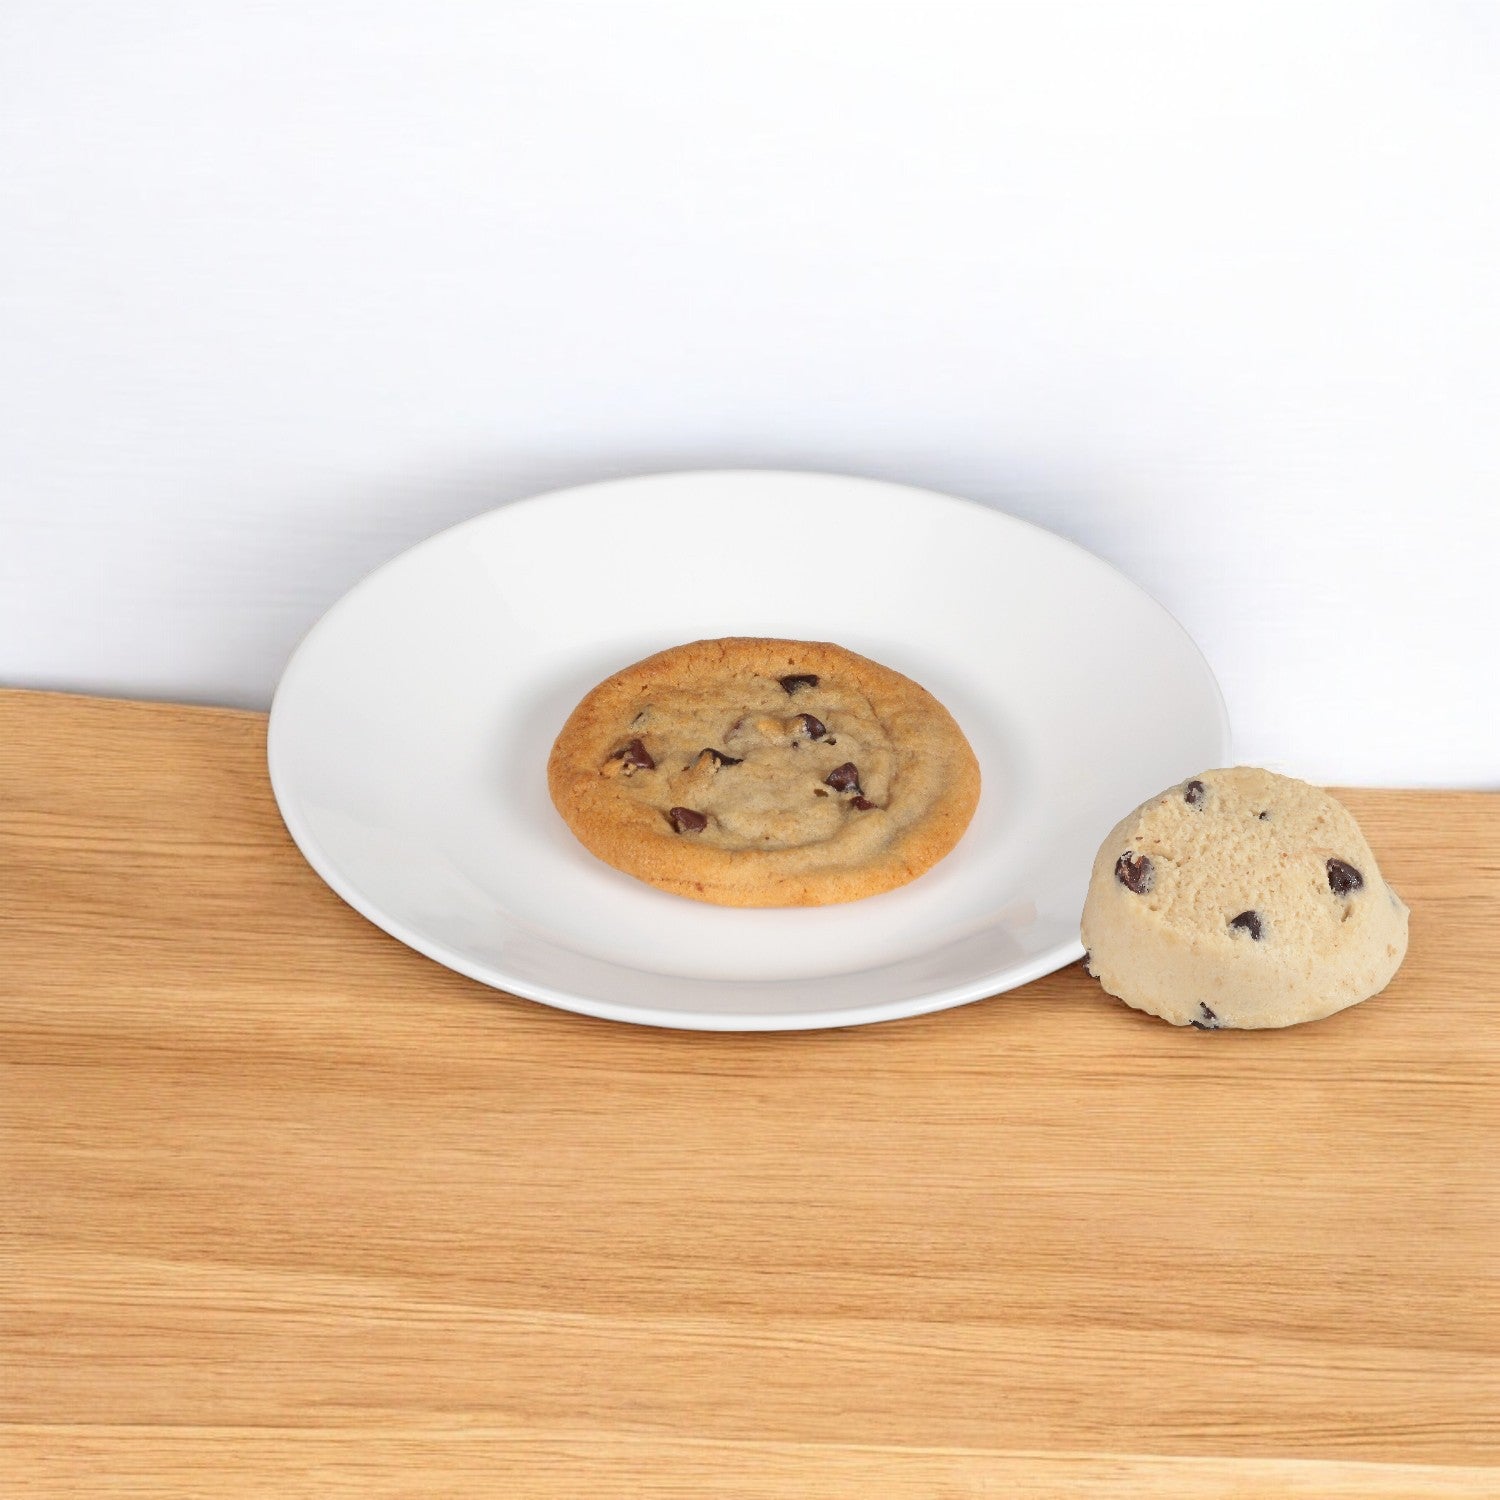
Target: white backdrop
x: 1214, y: 290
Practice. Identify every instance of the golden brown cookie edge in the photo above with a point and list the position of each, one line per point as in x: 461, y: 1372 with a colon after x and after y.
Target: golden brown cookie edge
x: 625, y: 837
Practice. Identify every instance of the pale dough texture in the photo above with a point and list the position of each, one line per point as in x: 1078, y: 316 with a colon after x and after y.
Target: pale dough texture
x: 750, y: 772
x: 1241, y: 899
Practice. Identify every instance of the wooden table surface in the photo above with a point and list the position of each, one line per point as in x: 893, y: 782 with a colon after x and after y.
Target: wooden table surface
x: 291, y: 1211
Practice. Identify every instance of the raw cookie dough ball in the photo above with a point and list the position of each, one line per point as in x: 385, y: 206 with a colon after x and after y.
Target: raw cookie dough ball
x: 1241, y: 898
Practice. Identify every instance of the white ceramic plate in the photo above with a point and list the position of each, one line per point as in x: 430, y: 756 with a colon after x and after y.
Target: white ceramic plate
x: 409, y: 738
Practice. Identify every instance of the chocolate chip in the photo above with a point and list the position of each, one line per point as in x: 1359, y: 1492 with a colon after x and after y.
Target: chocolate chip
x: 819, y: 792
x: 1248, y: 921
x: 813, y: 728
x: 1135, y: 872
x: 685, y: 820
x: 1088, y: 958
x: 794, y: 681
x: 862, y: 802
x: 1210, y: 1021
x: 720, y: 759
x: 1193, y: 793
x: 844, y: 778
x: 636, y: 756
x: 1265, y: 817
x: 1343, y: 878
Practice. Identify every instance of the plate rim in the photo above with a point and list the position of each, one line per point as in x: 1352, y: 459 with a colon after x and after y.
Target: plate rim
x: 1049, y: 961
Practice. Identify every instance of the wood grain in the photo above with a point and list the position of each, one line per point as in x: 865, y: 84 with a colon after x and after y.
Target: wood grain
x: 289, y: 1210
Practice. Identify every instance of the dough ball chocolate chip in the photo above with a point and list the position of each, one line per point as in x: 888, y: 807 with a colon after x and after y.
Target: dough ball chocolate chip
x: 1205, y: 1020
x: 1193, y: 793
x: 685, y: 820
x: 1239, y: 916
x: 862, y: 802
x: 794, y: 681
x: 720, y: 759
x: 1135, y: 872
x: 813, y: 728
x: 844, y: 778
x: 636, y: 756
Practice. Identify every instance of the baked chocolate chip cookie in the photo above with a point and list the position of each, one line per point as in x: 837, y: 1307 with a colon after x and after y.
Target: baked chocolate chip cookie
x: 1241, y: 899
x: 749, y: 772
